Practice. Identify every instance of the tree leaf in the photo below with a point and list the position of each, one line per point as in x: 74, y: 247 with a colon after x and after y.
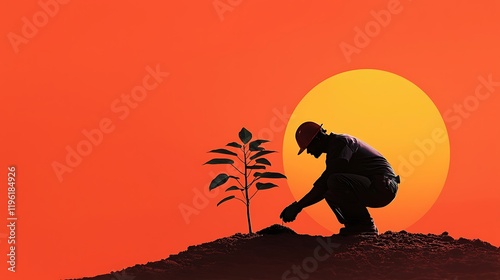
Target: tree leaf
x: 256, y: 167
x: 265, y: 186
x: 245, y: 135
x: 220, y: 161
x: 270, y: 175
x: 225, y: 199
x: 234, y: 144
x: 261, y: 153
x: 254, y: 145
x: 257, y: 142
x: 233, y: 188
x: 254, y: 148
x: 218, y: 180
x: 223, y: 151
x: 263, y: 161
x: 257, y: 174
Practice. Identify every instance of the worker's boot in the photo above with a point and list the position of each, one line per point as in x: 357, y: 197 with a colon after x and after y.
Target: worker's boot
x: 367, y: 227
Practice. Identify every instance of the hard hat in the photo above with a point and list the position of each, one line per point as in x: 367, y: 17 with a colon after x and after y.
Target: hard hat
x: 305, y: 134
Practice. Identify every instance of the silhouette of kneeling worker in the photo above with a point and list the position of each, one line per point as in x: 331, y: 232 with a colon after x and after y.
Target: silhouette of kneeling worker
x: 356, y: 177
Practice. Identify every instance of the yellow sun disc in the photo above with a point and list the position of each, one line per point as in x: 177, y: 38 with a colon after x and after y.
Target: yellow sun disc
x: 392, y: 115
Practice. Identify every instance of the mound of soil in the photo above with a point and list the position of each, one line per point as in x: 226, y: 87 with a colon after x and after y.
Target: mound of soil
x: 277, y: 252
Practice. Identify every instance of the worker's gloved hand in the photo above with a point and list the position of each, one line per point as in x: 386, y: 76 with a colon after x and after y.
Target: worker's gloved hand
x: 290, y: 212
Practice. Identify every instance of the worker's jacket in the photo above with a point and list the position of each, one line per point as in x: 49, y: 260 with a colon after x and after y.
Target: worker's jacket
x: 347, y: 154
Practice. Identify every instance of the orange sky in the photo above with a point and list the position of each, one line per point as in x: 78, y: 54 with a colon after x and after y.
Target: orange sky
x: 249, y: 66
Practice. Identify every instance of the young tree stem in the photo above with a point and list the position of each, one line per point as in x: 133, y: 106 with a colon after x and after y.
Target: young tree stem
x: 246, y: 192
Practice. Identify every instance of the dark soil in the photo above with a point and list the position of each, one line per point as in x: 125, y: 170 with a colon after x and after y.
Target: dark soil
x: 277, y: 252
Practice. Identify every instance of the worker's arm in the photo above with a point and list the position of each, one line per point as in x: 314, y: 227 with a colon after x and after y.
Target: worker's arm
x: 315, y: 195
x: 337, y: 161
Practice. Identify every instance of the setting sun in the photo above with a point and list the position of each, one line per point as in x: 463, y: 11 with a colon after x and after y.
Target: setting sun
x: 392, y: 115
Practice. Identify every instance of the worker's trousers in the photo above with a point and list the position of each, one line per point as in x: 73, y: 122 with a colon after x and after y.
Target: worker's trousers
x: 348, y: 196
